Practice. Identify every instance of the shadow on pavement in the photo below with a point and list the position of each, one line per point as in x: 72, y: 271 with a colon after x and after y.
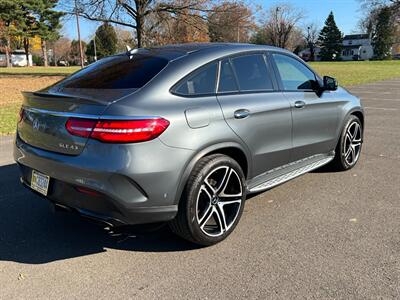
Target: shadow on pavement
x: 31, y: 233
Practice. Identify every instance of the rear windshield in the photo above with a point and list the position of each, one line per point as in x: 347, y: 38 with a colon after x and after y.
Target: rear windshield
x: 117, y: 72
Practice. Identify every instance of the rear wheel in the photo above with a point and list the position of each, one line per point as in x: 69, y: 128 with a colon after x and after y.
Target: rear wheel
x: 212, y: 202
x: 349, y: 146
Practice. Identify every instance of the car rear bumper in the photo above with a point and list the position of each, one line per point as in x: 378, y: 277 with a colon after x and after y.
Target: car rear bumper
x: 123, y: 184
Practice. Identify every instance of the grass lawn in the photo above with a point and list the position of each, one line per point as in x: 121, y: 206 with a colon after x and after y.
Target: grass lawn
x: 35, y: 78
x: 8, y: 118
x: 358, y: 72
x: 39, y: 71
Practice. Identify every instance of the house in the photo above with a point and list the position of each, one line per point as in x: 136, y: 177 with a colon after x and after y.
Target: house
x: 306, y: 54
x: 18, y: 59
x: 357, y: 47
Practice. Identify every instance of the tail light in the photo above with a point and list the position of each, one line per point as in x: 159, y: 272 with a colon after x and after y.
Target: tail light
x: 117, y: 131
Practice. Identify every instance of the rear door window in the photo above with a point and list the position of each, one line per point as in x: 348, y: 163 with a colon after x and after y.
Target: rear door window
x: 251, y: 71
x: 201, y: 82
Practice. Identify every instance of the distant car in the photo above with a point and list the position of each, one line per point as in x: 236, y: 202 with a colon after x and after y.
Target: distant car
x: 181, y: 134
x: 396, y: 56
x: 63, y: 63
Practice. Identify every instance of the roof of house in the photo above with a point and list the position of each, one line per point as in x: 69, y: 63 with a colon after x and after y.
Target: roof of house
x: 360, y: 36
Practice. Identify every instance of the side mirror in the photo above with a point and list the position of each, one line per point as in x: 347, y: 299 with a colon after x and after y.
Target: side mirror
x: 330, y: 83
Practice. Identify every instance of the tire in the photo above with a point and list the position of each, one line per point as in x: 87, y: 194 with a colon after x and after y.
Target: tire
x: 215, y: 192
x: 350, y: 140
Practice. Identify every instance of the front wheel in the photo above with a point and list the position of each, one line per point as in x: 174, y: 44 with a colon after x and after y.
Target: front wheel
x: 349, y: 146
x: 212, y: 202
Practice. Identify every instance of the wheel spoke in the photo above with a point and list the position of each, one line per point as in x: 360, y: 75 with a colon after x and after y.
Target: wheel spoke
x: 356, y: 128
x: 223, y: 193
x: 209, y: 186
x: 353, y: 154
x: 221, y: 220
x: 223, y: 203
x: 349, y: 132
x: 207, y: 215
x: 224, y: 181
x: 347, y: 153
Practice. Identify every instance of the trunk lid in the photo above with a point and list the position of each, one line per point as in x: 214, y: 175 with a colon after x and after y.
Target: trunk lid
x: 44, y: 115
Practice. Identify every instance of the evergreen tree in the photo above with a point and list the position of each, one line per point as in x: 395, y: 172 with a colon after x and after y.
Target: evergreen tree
x: 330, y: 39
x: 48, y: 24
x: 106, y: 41
x: 382, y: 39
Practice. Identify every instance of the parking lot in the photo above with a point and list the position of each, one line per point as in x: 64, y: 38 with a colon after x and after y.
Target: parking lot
x: 322, y: 235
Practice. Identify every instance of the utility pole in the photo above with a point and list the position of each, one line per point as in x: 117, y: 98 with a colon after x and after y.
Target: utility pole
x: 79, y: 36
x: 94, y: 46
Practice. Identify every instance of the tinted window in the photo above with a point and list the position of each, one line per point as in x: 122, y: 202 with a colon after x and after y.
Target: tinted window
x: 294, y: 74
x: 201, y: 82
x: 117, y: 72
x: 227, y: 81
x: 252, y: 73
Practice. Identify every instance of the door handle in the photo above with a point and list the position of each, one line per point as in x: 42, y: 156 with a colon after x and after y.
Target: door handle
x: 241, y: 113
x: 299, y: 104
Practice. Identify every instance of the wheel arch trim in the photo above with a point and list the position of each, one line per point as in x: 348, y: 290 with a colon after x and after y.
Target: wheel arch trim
x: 207, y: 151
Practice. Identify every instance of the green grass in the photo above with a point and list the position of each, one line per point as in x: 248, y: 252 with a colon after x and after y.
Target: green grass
x: 39, y: 71
x: 358, y: 72
x: 8, y: 118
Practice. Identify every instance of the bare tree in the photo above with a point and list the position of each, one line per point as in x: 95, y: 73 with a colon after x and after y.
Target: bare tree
x: 134, y: 13
x: 231, y: 21
x: 310, y: 34
x: 124, y: 38
x: 281, y: 20
x: 61, y: 49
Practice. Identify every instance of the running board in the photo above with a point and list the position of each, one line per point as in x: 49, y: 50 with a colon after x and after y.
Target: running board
x: 293, y: 174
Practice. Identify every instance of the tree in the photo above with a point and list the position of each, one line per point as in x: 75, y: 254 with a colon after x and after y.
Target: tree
x: 230, y: 22
x: 311, y: 38
x: 48, y: 24
x: 74, y: 54
x: 11, y: 17
x: 185, y: 27
x: 330, y: 39
x: 280, y: 25
x: 28, y: 19
x: 135, y: 13
x: 382, y: 38
x: 124, y: 38
x: 61, y: 49
x: 106, y: 41
x: 374, y: 4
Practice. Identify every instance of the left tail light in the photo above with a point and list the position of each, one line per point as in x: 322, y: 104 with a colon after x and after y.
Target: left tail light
x: 117, y: 131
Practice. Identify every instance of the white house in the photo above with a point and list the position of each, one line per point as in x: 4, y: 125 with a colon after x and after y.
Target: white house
x: 357, y: 47
x: 18, y: 59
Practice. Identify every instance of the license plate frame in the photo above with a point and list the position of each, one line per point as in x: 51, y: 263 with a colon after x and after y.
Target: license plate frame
x: 40, y: 182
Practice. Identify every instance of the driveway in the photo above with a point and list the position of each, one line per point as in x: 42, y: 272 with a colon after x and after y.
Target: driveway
x: 322, y: 235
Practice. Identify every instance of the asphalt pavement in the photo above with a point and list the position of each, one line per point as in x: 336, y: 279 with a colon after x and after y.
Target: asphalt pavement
x: 323, y: 235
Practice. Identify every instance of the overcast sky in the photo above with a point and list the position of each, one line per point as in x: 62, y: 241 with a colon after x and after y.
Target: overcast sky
x: 347, y: 14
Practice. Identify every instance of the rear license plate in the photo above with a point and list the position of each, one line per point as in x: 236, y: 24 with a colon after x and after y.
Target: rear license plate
x: 40, y: 182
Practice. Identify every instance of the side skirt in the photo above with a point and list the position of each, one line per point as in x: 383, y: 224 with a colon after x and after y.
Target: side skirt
x: 276, y: 177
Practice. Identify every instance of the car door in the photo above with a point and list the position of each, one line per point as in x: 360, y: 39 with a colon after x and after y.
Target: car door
x: 314, y: 113
x: 254, y: 110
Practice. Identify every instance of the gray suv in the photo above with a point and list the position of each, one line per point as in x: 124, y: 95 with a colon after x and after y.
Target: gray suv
x: 181, y: 134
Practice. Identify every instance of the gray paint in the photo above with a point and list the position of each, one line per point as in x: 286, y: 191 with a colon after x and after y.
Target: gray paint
x: 147, y: 179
